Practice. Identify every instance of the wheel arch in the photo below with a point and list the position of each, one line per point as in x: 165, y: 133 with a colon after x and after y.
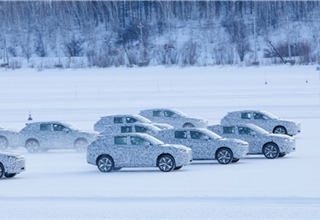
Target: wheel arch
x: 164, y: 154
x: 188, y: 125
x: 31, y: 139
x: 102, y: 155
x: 219, y: 148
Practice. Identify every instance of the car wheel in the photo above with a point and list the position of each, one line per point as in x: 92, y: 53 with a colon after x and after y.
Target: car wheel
x: 166, y: 163
x: 1, y: 170
x: 282, y: 154
x: 235, y: 160
x: 105, y: 163
x: 224, y: 156
x: 270, y: 150
x: 32, y: 146
x: 3, y: 143
x: 9, y: 175
x: 280, y: 130
x: 178, y: 168
x: 81, y: 145
x: 188, y: 125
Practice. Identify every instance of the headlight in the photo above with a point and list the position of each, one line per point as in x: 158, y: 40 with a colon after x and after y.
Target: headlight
x: 11, y: 158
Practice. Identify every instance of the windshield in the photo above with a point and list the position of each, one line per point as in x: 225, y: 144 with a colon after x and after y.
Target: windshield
x: 271, y: 116
x: 71, y: 127
x: 257, y: 129
x: 211, y: 134
x: 152, y: 140
x: 180, y: 113
x: 142, y: 119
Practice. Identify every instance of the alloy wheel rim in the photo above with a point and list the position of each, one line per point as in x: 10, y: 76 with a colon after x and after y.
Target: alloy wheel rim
x: 105, y: 164
x: 271, y: 151
x: 165, y: 163
x: 224, y: 156
x: 280, y: 131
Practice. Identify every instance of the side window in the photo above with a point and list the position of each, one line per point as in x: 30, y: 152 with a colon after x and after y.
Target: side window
x: 229, y: 130
x: 117, y: 120
x: 168, y: 114
x: 246, y: 115
x: 156, y: 113
x: 58, y: 127
x: 138, y: 141
x: 257, y: 115
x: 120, y: 140
x: 140, y: 129
x: 45, y: 127
x: 244, y: 130
x: 197, y: 135
x: 180, y: 134
x: 130, y: 120
x: 126, y: 129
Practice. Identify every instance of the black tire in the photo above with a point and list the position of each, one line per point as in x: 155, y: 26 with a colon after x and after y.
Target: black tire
x: 81, y: 145
x: 280, y: 130
x: 1, y: 170
x: 224, y: 155
x: 188, y: 125
x: 105, y: 163
x: 117, y: 168
x: 235, y: 160
x: 32, y: 146
x: 3, y: 143
x: 282, y: 154
x: 9, y: 175
x: 178, y: 168
x: 270, y: 150
x: 166, y: 163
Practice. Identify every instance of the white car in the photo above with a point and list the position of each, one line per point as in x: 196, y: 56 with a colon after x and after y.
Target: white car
x: 174, y: 117
x: 8, y: 138
x: 42, y: 136
x: 11, y: 164
x: 263, y: 119
x: 260, y: 141
x: 131, y: 128
x: 113, y: 152
x: 125, y: 119
x: 205, y: 144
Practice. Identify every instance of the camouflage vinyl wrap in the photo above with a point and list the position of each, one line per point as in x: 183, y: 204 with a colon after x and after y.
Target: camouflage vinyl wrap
x: 203, y: 148
x: 173, y: 117
x: 12, y: 163
x: 256, y: 137
x: 145, y: 154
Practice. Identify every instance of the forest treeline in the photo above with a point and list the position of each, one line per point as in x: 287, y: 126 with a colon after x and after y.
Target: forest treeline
x: 118, y: 33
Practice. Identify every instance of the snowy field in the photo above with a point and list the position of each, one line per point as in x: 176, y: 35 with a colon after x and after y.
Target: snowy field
x: 61, y: 185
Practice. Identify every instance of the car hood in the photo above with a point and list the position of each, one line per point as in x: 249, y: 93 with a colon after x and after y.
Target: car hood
x: 234, y: 140
x: 162, y: 125
x: 11, y: 154
x: 179, y: 146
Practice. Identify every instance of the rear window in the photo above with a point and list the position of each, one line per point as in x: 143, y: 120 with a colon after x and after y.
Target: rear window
x: 180, y: 134
x: 45, y: 127
x: 156, y: 113
x: 120, y: 140
x: 118, y: 120
x: 229, y: 130
x: 246, y: 115
x: 126, y: 129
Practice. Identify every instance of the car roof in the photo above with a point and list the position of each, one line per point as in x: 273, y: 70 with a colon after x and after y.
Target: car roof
x: 122, y: 115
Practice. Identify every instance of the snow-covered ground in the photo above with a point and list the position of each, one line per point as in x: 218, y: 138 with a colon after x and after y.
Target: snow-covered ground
x: 61, y: 185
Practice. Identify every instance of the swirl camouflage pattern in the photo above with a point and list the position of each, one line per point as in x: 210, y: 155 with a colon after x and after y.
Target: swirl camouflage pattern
x: 42, y: 136
x: 205, y: 144
x: 8, y: 138
x: 113, y: 152
x: 105, y: 121
x: 11, y: 164
x: 260, y: 141
x: 174, y: 117
x: 263, y: 119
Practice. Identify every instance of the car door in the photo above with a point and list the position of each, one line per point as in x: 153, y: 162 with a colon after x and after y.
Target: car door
x: 250, y: 136
x: 62, y: 137
x: 141, y: 152
x: 45, y: 135
x: 202, y: 147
